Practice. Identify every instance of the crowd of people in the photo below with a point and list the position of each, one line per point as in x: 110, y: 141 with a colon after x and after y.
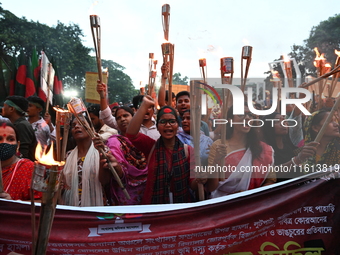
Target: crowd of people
x: 152, y: 150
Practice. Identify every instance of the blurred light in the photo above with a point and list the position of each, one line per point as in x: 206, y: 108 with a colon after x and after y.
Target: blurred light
x: 70, y: 93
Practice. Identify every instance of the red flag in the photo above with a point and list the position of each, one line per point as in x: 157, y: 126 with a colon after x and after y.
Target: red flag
x: 20, y: 80
x: 30, y: 87
x: 57, y: 86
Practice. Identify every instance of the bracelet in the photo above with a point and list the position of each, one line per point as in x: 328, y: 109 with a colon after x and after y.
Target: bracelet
x: 294, y: 163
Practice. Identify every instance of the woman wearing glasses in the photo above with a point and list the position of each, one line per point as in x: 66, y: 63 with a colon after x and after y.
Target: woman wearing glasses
x: 169, y: 160
x: 243, y: 157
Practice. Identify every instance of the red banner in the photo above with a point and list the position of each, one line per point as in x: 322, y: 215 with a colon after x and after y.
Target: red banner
x: 296, y: 217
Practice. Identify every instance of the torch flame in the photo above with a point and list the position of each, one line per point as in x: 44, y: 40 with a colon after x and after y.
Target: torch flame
x: 58, y: 109
x: 337, y: 52
x: 92, y: 6
x: 317, y: 52
x: 319, y: 58
x: 286, y: 58
x: 46, y: 158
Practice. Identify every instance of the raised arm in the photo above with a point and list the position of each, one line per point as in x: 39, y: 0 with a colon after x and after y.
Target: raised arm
x: 137, y: 119
x: 101, y: 89
x: 161, y: 91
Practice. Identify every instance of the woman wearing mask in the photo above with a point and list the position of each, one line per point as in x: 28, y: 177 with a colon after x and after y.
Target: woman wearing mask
x: 16, y: 172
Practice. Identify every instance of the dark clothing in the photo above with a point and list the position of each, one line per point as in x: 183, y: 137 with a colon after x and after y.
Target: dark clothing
x: 28, y: 141
x: 284, y: 155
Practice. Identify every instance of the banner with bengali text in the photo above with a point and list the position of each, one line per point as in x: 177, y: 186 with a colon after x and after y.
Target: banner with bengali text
x: 299, y: 216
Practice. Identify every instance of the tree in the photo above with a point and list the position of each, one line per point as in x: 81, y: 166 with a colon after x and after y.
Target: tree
x: 326, y: 37
x: 176, y: 79
x: 120, y: 87
x: 63, y: 43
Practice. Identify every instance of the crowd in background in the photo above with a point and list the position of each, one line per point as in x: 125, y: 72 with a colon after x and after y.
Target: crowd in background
x: 150, y: 145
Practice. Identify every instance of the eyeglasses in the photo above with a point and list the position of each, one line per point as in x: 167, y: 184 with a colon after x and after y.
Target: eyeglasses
x: 169, y: 121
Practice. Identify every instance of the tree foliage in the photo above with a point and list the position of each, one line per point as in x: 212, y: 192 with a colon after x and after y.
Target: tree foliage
x: 176, y: 79
x: 325, y: 36
x: 63, y: 43
x: 120, y: 86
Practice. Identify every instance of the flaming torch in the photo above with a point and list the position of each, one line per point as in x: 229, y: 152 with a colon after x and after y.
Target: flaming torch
x: 168, y: 49
x: 96, y: 35
x: 319, y: 63
x: 152, y: 74
x: 227, y: 72
x: 141, y: 88
x: 203, y: 65
x: 246, y: 55
x: 195, y: 115
x: 78, y: 109
x: 63, y: 118
x: 45, y: 180
x: 336, y: 76
x: 168, y: 57
x: 166, y: 20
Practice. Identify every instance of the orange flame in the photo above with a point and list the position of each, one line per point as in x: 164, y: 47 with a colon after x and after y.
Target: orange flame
x: 58, y: 109
x: 319, y: 59
x: 337, y: 52
x: 46, y: 158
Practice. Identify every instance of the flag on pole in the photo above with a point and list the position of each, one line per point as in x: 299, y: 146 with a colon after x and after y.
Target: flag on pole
x: 36, y: 69
x: 20, y: 79
x: 57, y: 86
x: 29, y: 82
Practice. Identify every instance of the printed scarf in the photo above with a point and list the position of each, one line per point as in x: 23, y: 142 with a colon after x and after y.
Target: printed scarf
x: 175, y: 179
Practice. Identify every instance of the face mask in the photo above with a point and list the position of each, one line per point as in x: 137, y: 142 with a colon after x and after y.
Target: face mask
x: 7, y: 150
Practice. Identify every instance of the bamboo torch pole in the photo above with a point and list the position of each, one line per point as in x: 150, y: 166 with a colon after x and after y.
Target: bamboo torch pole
x: 47, y: 212
x: 336, y: 76
x: 195, y: 116
x: 151, y: 55
x: 168, y: 57
x: 96, y: 35
x: 77, y: 108
x: 203, y: 65
x: 227, y: 71
x: 167, y: 48
x: 326, y: 75
x: 246, y: 55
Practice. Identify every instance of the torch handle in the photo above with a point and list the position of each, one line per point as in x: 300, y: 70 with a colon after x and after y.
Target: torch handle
x: 115, y: 175
x: 335, y: 70
x: 92, y: 134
